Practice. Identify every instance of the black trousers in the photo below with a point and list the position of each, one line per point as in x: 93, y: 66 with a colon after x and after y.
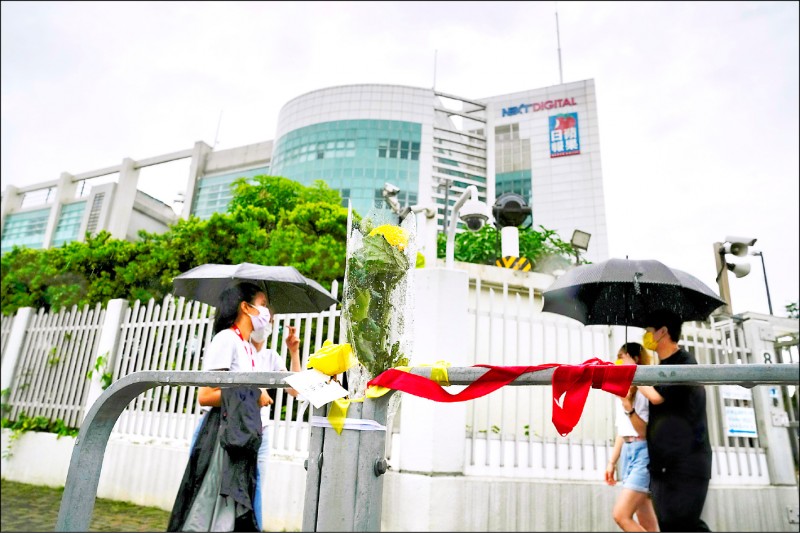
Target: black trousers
x: 678, y: 501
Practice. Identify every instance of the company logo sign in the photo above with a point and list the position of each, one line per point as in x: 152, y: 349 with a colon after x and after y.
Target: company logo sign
x: 539, y: 106
x: 564, y: 138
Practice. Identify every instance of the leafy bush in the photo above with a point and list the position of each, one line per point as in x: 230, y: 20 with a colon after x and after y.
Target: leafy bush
x: 543, y: 248
x: 275, y: 221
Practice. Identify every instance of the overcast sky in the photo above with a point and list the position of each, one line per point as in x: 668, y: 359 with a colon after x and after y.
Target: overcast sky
x: 697, y: 101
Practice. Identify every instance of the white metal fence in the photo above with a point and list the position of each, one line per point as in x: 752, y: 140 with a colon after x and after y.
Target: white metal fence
x: 509, y: 432
x: 170, y: 335
x: 5, y: 330
x: 50, y: 377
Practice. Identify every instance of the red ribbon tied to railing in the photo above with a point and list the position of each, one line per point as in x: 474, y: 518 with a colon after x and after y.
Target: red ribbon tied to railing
x: 570, y: 385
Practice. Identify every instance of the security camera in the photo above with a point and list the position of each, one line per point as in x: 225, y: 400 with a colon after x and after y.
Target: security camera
x: 510, y: 209
x: 389, y: 194
x: 474, y: 214
x: 390, y: 190
x: 738, y: 245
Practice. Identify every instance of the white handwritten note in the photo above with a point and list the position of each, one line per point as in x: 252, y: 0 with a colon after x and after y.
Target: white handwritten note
x: 315, y: 387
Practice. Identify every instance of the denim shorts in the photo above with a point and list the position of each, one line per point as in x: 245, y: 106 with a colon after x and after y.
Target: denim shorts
x: 633, y: 467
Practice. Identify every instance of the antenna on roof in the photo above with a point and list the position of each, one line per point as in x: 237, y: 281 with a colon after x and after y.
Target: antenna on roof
x: 558, y: 40
x: 434, y: 68
x: 216, y: 135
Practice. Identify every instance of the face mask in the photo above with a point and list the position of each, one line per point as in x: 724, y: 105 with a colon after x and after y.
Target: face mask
x: 648, y: 341
x: 261, y: 320
x: 260, y: 335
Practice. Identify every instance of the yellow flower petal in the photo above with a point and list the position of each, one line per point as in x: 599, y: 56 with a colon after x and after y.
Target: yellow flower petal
x: 394, y: 235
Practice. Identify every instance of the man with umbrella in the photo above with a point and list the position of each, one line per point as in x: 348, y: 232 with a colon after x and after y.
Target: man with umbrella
x: 677, y: 433
x: 651, y: 295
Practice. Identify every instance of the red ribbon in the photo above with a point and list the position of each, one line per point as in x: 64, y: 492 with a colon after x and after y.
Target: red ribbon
x: 570, y: 385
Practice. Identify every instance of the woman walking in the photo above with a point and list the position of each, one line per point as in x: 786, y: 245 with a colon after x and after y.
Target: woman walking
x: 218, y: 489
x: 630, y: 450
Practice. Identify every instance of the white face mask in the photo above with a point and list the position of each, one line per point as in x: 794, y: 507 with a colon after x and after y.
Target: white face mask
x: 261, y: 334
x: 261, y: 320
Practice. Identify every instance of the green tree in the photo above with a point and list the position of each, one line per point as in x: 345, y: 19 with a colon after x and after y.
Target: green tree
x: 273, y: 221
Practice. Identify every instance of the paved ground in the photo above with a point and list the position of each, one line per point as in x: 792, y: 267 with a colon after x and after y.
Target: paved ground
x: 34, y: 508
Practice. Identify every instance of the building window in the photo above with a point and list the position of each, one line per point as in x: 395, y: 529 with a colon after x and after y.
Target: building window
x: 214, y: 193
x: 69, y: 223
x: 398, y: 149
x: 24, y: 229
x: 345, y: 193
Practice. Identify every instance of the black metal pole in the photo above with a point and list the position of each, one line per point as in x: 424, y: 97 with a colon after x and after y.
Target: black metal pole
x: 764, y: 269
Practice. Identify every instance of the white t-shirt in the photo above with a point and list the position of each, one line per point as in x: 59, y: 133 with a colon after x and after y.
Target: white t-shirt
x: 624, y: 425
x: 268, y: 360
x: 229, y: 352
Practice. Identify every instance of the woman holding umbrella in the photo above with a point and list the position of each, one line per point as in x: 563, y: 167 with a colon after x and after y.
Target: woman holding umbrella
x: 268, y: 360
x: 218, y: 491
x: 631, y: 447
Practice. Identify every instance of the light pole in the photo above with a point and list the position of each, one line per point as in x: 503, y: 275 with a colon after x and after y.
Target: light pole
x: 580, y: 241
x: 761, y: 255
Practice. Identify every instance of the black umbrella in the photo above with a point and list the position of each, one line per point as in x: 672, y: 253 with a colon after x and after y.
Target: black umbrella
x: 287, y: 290
x: 623, y: 292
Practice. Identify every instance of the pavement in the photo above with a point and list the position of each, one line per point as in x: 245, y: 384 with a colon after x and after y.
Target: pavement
x: 26, y: 507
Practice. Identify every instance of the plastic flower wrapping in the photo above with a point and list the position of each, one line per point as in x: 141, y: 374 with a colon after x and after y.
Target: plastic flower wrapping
x: 377, y: 305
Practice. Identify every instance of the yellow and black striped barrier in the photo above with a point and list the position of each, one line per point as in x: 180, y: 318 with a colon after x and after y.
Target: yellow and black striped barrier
x: 514, y: 263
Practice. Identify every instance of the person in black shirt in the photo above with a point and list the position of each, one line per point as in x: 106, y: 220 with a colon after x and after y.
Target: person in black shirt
x: 677, y: 434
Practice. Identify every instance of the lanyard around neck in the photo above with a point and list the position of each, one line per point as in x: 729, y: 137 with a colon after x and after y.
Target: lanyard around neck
x: 247, y: 346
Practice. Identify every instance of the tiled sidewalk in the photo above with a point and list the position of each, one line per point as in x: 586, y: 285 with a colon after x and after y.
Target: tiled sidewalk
x: 34, y: 508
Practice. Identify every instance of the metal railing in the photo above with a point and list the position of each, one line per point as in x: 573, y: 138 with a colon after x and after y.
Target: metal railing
x: 352, y: 503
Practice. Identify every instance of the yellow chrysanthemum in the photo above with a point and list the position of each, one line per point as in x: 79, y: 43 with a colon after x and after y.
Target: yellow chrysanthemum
x: 394, y: 235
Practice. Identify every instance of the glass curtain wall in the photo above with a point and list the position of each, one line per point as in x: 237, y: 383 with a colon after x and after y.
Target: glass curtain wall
x: 355, y: 157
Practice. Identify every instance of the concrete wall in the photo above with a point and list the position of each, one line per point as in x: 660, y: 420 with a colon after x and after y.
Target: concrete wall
x: 242, y: 156
x: 149, y: 473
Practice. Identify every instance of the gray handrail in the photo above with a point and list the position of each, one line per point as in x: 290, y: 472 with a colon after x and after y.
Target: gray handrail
x: 83, y: 476
x: 80, y: 490
x: 745, y: 375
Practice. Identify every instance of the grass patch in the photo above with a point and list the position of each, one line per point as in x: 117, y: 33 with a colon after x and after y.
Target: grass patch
x: 35, y: 508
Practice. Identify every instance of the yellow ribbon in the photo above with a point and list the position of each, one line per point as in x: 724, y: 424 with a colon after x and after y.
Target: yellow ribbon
x: 338, y: 409
x: 338, y: 412
x: 332, y: 359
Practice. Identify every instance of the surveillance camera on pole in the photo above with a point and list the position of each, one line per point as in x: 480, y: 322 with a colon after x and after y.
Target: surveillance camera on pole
x: 389, y: 194
x: 474, y: 214
x: 510, y: 211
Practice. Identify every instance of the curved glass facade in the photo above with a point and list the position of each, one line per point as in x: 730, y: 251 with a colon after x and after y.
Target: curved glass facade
x: 355, y: 157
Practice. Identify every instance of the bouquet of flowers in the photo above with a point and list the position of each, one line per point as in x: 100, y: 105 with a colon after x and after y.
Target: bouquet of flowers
x: 376, y: 307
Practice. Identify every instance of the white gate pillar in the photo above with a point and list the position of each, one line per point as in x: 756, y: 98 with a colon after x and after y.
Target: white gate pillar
x: 14, y: 347
x: 432, y: 434
x: 773, y: 432
x: 106, y: 347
